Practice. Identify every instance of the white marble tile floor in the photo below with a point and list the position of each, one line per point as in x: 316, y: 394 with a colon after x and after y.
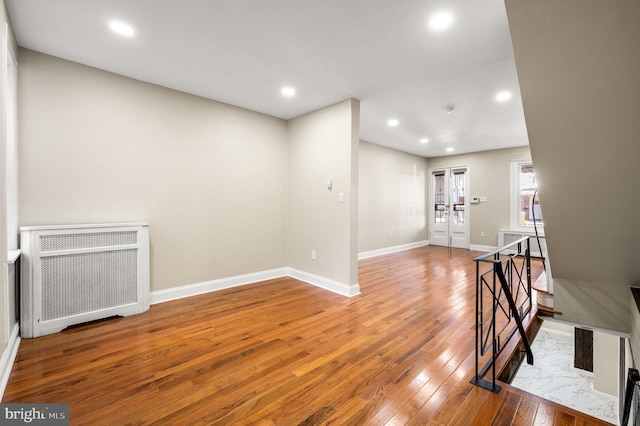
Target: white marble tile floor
x: 553, y: 377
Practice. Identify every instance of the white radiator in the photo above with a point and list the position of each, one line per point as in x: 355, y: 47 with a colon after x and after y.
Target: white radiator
x: 507, y: 236
x: 72, y: 274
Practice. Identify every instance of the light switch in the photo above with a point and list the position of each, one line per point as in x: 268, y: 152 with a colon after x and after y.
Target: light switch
x: 341, y: 197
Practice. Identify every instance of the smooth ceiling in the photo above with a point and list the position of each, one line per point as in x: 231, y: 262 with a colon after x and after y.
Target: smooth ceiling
x: 242, y: 52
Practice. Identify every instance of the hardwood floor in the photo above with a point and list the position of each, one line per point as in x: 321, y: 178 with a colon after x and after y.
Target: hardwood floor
x: 282, y: 352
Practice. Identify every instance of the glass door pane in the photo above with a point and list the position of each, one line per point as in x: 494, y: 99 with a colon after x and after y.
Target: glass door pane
x: 458, y: 196
x: 440, y: 213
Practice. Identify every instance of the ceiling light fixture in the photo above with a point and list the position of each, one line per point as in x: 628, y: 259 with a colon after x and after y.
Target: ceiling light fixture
x: 424, y: 140
x: 441, y: 21
x: 288, y: 91
x: 450, y: 108
x: 393, y: 122
x: 449, y: 149
x: 122, y: 28
x: 503, y: 96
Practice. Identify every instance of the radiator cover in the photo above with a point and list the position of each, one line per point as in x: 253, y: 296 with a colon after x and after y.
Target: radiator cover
x: 507, y: 236
x: 77, y: 273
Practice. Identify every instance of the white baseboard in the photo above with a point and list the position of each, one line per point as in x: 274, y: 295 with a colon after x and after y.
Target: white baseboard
x: 488, y: 249
x: 325, y: 283
x: 8, y: 358
x: 393, y: 249
x: 239, y: 280
x: 215, y: 285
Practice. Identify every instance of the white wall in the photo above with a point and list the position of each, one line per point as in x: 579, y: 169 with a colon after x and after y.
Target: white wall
x: 578, y: 66
x: 209, y: 177
x: 606, y: 363
x: 634, y: 337
x: 323, y: 146
x: 3, y: 208
x: 392, y: 198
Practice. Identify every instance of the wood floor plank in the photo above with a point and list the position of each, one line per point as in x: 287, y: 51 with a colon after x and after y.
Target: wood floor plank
x: 470, y: 407
x: 526, y: 413
x: 507, y: 411
x: 282, y: 352
x: 545, y: 415
x: 487, y: 414
x: 563, y: 419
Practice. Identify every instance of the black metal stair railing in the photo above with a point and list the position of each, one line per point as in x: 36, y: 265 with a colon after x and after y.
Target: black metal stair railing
x: 503, y: 299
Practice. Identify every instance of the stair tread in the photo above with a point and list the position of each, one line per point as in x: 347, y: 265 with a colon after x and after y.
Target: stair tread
x: 545, y: 311
x: 540, y: 284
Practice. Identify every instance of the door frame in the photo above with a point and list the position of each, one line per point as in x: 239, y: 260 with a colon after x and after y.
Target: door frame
x: 431, y: 208
x: 10, y: 193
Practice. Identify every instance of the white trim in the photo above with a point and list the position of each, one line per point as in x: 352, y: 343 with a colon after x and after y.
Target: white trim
x: 10, y: 152
x: 325, y: 283
x: 393, y: 249
x: 12, y: 256
x: 488, y: 249
x: 90, y: 226
x: 189, y: 290
x: 9, y: 358
x: 215, y: 285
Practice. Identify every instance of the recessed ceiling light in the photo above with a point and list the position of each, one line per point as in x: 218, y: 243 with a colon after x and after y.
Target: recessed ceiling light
x: 288, y: 91
x: 121, y: 28
x: 393, y: 122
x: 449, y: 149
x: 503, y: 96
x: 441, y: 21
x: 424, y: 140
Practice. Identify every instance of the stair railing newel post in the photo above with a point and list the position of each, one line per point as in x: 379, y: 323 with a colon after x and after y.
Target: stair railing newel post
x: 478, y: 321
x: 495, y: 345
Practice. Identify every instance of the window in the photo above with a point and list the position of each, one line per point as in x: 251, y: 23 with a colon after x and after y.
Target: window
x: 525, y: 203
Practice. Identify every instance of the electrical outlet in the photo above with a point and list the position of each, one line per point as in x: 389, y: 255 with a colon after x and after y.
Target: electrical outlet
x: 389, y: 234
x: 482, y: 233
x: 313, y: 255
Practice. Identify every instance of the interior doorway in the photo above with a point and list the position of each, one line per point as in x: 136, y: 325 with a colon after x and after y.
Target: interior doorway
x: 449, y: 222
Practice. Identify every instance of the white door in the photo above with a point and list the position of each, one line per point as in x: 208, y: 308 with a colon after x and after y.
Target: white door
x: 449, y: 208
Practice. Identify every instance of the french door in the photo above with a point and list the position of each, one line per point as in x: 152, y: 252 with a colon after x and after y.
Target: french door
x: 449, y: 212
